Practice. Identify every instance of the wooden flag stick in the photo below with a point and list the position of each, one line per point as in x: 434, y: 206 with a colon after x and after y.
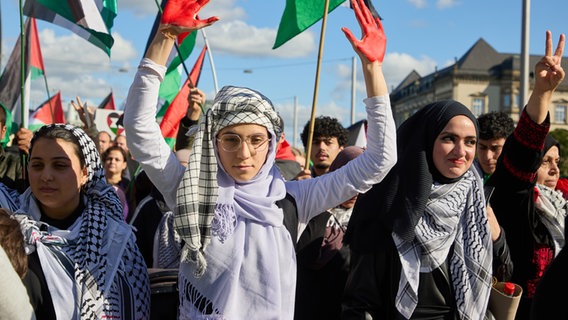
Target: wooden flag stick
x: 24, y: 119
x: 316, y: 85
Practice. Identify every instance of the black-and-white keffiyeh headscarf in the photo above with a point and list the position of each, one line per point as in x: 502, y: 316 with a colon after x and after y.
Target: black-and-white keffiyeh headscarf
x: 551, y: 209
x: 203, y: 205
x: 97, y: 256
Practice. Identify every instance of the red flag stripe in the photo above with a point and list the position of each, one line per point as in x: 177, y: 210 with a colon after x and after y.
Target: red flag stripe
x: 196, y: 71
x: 36, y: 59
x: 108, y: 103
x: 178, y: 108
x: 50, y: 111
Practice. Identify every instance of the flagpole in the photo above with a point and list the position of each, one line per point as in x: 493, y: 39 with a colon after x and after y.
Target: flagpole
x: 209, y: 54
x: 49, y: 98
x: 24, y: 121
x: 353, y: 88
x: 22, y: 64
x: 316, y: 85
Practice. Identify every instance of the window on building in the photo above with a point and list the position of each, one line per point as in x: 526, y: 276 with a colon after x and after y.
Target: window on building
x: 518, y: 101
x: 507, y: 100
x: 478, y: 106
x: 560, y: 114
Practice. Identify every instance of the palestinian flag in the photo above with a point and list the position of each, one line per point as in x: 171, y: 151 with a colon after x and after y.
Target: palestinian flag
x: 178, y: 108
x: 89, y: 19
x: 170, y: 86
x: 299, y: 15
x: 11, y: 80
x: 51, y: 111
x: 107, y: 103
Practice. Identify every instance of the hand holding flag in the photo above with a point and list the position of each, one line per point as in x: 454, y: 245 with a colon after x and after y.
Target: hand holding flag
x: 181, y: 16
x: 374, y: 42
x: 196, y: 98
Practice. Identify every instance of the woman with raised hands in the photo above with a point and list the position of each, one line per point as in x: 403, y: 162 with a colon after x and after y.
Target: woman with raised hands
x: 420, y: 241
x: 239, y: 261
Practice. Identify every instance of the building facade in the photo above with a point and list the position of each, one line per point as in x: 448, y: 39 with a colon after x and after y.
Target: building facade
x: 484, y: 80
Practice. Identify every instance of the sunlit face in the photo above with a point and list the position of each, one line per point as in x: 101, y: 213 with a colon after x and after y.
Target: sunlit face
x: 324, y: 150
x: 121, y: 142
x: 104, y: 142
x: 115, y: 163
x: 454, y: 148
x: 244, y: 163
x: 488, y: 151
x: 56, y: 176
x: 301, y: 160
x: 549, y: 173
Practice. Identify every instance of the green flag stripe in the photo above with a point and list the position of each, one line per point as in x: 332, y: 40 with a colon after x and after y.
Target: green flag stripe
x: 298, y: 16
x: 93, y: 27
x: 185, y: 50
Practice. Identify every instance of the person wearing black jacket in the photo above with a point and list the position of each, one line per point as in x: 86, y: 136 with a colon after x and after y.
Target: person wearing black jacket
x: 532, y: 241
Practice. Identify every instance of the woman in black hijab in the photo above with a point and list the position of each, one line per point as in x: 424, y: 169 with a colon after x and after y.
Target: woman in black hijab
x: 432, y: 213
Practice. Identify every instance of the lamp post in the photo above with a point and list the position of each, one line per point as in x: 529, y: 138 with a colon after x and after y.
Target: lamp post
x: 524, y: 90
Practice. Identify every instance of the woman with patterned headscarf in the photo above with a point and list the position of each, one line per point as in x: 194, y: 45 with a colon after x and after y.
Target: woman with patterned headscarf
x: 421, y: 241
x: 79, y: 247
x: 238, y: 261
x: 525, y: 201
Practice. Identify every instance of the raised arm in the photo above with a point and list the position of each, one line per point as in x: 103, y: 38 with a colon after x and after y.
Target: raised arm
x: 371, y: 167
x: 548, y: 75
x: 370, y: 49
x: 179, y: 16
x: 145, y: 140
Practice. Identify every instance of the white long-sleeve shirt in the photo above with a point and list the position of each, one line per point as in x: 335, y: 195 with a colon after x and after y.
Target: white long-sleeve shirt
x: 312, y: 196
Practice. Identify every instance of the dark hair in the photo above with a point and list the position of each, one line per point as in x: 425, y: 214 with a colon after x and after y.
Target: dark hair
x: 326, y: 127
x: 12, y: 241
x: 114, y: 148
x: 495, y: 125
x: 53, y: 133
x: 2, y: 115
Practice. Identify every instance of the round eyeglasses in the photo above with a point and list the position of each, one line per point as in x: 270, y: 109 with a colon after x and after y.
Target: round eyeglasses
x: 231, y: 142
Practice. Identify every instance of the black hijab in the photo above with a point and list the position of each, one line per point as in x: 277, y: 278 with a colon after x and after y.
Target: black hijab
x: 550, y: 142
x: 397, y: 203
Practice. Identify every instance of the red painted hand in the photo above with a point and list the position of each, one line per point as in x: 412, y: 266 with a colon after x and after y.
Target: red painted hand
x: 374, y: 42
x: 183, y: 15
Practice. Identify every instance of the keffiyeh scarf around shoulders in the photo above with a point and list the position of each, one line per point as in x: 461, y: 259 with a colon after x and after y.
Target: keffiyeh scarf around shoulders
x: 238, y: 255
x: 96, y: 257
x: 454, y: 218
x: 551, y: 209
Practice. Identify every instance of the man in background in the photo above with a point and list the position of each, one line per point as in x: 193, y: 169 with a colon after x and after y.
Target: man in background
x: 494, y: 128
x: 329, y: 138
x: 104, y: 141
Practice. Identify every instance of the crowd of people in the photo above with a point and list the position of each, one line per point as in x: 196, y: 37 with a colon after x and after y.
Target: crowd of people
x: 417, y: 224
